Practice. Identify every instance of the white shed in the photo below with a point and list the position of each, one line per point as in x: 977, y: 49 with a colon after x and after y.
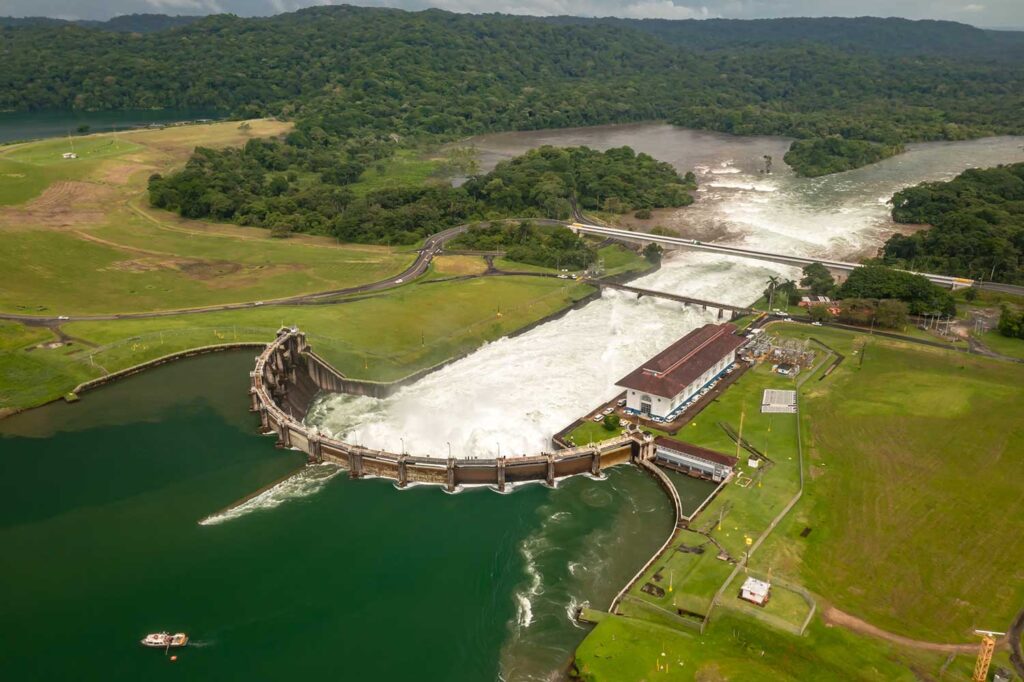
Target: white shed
x: 756, y: 591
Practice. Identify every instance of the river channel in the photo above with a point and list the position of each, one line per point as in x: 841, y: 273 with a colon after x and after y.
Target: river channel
x: 100, y: 501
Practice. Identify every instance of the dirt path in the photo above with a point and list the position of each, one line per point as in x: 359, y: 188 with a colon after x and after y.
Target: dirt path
x: 1015, y: 634
x: 834, y: 616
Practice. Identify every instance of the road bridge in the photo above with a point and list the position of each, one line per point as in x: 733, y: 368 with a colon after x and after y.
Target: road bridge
x: 784, y: 259
x: 686, y: 300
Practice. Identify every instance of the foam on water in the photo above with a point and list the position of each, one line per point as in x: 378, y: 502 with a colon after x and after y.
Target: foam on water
x: 308, y: 481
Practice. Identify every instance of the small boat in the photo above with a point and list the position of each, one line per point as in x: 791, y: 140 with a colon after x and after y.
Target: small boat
x: 164, y: 640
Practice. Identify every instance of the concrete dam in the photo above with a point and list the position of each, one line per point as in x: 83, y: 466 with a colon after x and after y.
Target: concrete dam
x: 289, y: 374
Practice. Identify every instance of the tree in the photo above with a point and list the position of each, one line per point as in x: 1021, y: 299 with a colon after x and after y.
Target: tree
x: 788, y: 289
x: 818, y: 280
x: 769, y: 293
x: 820, y: 313
x: 891, y: 313
x: 643, y: 214
x: 1011, y: 323
x: 653, y: 253
x: 611, y: 422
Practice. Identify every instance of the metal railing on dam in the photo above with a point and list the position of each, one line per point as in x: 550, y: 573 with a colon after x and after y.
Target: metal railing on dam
x: 287, y: 376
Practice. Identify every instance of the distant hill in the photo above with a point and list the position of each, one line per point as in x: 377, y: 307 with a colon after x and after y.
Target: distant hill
x: 372, y: 73
x: 890, y: 37
x: 128, y: 23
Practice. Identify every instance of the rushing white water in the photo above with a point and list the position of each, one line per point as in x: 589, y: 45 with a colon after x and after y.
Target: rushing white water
x: 307, y: 481
x: 510, y: 397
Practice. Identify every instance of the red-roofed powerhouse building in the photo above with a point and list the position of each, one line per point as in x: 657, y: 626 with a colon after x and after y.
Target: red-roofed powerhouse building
x: 663, y: 384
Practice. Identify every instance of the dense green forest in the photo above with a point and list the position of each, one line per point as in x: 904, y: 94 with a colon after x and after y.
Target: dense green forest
x: 368, y: 74
x: 550, y: 247
x: 300, y: 186
x: 550, y: 178
x: 882, y: 282
x: 891, y: 36
x: 977, y: 226
x: 834, y: 154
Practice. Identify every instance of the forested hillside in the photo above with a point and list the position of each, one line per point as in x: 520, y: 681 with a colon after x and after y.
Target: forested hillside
x: 891, y: 36
x: 977, y: 225
x: 266, y: 184
x: 347, y: 73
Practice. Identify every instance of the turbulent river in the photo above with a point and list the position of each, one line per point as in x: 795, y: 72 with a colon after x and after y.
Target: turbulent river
x: 512, y: 395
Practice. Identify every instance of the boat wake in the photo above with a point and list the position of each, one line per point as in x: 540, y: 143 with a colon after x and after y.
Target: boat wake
x: 308, y: 481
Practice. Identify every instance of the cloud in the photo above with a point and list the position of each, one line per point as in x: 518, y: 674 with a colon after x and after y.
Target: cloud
x: 974, y: 8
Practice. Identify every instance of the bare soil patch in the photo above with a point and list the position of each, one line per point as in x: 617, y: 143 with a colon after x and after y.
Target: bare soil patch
x: 68, y: 203
x: 679, y: 223
x: 834, y: 616
x: 122, y: 173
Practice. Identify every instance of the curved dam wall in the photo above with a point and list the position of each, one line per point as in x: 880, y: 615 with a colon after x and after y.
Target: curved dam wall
x: 289, y: 374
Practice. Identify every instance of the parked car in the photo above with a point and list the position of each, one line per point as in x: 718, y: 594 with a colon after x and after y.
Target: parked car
x: 598, y: 417
x: 622, y: 403
x: 608, y: 410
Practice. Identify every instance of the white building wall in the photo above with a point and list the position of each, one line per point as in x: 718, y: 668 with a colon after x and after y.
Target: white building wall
x: 663, y: 406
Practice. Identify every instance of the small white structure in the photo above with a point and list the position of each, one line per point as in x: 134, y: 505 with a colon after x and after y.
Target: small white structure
x: 70, y: 155
x: 756, y: 591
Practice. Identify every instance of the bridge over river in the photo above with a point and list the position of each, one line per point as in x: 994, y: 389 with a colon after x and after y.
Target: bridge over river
x: 839, y: 267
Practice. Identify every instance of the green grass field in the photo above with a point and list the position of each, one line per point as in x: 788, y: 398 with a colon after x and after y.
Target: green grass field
x: 407, y: 167
x: 142, y: 268
x: 27, y: 169
x: 96, y: 246
x: 914, y: 473
x: 740, y: 650
x: 381, y: 338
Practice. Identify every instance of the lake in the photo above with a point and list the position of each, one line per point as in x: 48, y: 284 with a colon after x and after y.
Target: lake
x: 99, y: 509
x: 31, y: 125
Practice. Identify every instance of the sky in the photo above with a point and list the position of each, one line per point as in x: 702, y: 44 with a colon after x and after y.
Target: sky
x: 985, y: 13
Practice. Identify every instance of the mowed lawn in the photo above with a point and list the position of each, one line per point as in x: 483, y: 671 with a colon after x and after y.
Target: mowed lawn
x: 91, y: 244
x: 27, y: 169
x: 381, y: 338
x: 738, y: 649
x: 139, y: 267
x: 917, y: 498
